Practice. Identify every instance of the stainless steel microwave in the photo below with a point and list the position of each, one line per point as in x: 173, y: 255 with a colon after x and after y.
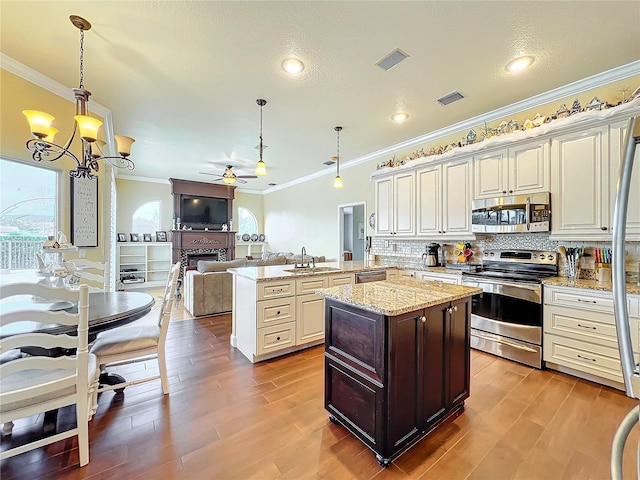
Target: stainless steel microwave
x: 514, y: 214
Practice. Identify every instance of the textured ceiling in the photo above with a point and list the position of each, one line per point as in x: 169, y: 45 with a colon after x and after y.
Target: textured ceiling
x: 183, y: 77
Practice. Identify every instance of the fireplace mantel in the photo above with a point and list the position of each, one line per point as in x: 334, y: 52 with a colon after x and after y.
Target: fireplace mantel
x: 203, y: 239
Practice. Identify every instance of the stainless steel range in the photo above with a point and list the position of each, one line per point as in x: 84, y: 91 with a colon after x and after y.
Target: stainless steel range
x: 506, y: 318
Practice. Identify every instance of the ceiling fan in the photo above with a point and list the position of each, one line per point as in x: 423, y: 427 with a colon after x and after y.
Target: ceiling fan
x: 229, y: 177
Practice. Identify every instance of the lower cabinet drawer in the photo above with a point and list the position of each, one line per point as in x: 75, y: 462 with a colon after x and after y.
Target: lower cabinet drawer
x: 589, y: 358
x: 276, y: 337
x: 590, y: 326
x: 275, y: 289
x: 276, y: 311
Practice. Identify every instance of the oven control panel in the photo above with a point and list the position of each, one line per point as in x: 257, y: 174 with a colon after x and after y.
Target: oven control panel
x: 521, y: 256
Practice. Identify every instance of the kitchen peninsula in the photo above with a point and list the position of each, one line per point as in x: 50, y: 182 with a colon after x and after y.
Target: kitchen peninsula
x: 397, y: 359
x: 275, y: 309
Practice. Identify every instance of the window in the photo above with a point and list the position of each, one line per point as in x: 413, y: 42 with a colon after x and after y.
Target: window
x: 147, y: 218
x: 247, y: 222
x: 28, y: 212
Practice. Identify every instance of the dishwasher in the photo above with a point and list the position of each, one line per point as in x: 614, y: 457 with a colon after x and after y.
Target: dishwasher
x: 371, y: 276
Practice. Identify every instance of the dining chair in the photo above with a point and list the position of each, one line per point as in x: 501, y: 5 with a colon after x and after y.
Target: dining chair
x: 137, y: 342
x: 94, y: 274
x: 39, y: 383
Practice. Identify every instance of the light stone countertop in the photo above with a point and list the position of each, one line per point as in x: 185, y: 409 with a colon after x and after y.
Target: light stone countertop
x: 395, y: 297
x: 282, y: 272
x: 632, y: 289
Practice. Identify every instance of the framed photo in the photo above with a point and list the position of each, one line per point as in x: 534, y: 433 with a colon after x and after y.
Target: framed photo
x: 134, y: 237
x: 146, y: 237
x: 161, y: 236
x: 122, y: 237
x: 84, y: 212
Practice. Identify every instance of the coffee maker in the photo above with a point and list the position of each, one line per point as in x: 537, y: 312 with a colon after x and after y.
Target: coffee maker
x: 430, y: 257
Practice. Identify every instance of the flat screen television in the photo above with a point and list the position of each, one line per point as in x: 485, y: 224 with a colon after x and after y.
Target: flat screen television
x: 201, y: 212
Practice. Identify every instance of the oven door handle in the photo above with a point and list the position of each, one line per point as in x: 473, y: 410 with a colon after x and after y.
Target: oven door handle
x: 498, y: 339
x: 534, y: 287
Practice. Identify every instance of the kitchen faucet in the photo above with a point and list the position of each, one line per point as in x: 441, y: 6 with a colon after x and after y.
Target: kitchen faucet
x: 302, y: 255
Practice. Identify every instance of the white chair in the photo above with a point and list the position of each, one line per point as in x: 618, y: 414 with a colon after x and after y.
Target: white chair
x: 94, y: 274
x: 137, y: 342
x: 36, y: 384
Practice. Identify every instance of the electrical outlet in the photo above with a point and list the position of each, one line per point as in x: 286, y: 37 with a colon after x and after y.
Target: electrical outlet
x: 82, y: 253
x: 386, y: 243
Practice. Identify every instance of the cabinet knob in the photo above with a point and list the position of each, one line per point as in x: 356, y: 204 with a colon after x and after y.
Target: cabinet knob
x: 604, y: 229
x: 504, y: 191
x: 278, y: 312
x: 510, y: 191
x: 423, y: 319
x: 277, y: 338
x: 455, y: 309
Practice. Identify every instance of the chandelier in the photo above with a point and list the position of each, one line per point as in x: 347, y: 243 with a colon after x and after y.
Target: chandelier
x: 261, y: 167
x: 85, y: 126
x: 337, y: 182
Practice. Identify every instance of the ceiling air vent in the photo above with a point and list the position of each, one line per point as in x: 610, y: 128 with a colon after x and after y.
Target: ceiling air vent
x: 450, y: 98
x: 392, y: 59
x: 329, y: 162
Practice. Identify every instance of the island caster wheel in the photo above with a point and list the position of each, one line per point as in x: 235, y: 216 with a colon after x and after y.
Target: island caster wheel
x: 384, y: 462
x: 334, y: 420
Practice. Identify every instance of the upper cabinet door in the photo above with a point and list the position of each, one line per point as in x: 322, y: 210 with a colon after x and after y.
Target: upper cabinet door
x: 384, y: 206
x: 580, y: 184
x: 428, y: 186
x: 617, y: 136
x: 515, y: 171
x: 529, y: 168
x: 490, y: 174
x: 405, y: 203
x: 456, y: 198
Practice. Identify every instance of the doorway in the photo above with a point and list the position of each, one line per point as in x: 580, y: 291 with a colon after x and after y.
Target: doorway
x: 352, y: 231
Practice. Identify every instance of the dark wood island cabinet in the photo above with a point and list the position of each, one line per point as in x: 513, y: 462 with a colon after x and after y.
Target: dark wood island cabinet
x: 391, y: 378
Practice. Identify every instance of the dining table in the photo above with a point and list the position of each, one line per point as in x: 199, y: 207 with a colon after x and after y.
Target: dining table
x: 107, y: 310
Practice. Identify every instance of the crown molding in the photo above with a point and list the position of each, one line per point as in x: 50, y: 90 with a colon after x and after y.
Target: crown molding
x: 589, y: 83
x: 37, y: 78
x: 135, y: 178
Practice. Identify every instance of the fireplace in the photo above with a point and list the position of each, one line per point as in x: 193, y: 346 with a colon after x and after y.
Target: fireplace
x: 191, y: 259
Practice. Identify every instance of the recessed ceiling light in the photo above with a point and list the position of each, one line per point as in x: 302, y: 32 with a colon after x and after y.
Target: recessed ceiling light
x: 519, y: 64
x: 292, y: 66
x: 399, y: 117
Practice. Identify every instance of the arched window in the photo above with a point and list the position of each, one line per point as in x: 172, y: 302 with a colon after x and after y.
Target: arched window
x: 247, y: 222
x: 147, y: 218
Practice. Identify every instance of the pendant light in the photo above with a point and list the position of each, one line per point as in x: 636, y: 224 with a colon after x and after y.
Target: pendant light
x: 84, y: 126
x: 261, y: 167
x: 337, y: 182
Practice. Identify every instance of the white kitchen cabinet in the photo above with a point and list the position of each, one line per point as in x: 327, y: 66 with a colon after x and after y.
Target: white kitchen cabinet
x: 404, y: 273
x: 580, y: 333
x: 439, y: 277
x: 444, y: 200
x: 395, y: 204
x: 517, y: 170
x: 617, y: 132
x: 148, y: 263
x: 580, y: 185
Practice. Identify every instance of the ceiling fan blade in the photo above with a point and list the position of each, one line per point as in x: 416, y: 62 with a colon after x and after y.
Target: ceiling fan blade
x: 246, y: 176
x: 240, y: 180
x: 209, y: 173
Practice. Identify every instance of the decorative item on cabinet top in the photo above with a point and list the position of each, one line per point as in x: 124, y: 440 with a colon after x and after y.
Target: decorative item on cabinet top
x: 504, y: 128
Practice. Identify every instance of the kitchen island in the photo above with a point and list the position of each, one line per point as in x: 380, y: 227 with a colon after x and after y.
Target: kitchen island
x: 397, y: 359
x: 275, y: 309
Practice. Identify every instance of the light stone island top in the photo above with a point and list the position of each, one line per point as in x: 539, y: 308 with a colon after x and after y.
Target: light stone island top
x: 632, y: 288
x: 395, y: 297
x: 288, y: 271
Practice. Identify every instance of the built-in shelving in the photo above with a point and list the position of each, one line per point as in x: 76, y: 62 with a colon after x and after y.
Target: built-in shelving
x: 148, y: 263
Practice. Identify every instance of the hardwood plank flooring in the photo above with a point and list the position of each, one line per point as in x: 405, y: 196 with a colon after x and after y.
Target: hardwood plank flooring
x: 228, y: 419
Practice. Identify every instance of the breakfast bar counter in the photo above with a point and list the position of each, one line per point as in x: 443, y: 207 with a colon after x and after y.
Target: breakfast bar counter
x: 397, y: 360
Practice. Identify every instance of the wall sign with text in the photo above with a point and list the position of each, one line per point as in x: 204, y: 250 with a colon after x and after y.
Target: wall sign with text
x: 84, y: 212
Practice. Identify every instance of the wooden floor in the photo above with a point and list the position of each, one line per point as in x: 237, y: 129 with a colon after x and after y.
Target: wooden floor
x: 228, y: 419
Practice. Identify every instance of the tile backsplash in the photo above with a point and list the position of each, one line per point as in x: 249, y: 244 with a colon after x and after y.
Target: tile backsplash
x: 408, y: 253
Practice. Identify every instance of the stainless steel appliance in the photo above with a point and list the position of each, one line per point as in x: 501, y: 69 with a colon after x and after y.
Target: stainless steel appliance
x: 506, y: 318
x: 514, y: 214
x: 371, y: 276
x: 431, y: 257
x: 630, y: 366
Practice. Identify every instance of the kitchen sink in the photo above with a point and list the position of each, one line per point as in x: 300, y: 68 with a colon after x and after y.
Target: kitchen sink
x: 311, y: 269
